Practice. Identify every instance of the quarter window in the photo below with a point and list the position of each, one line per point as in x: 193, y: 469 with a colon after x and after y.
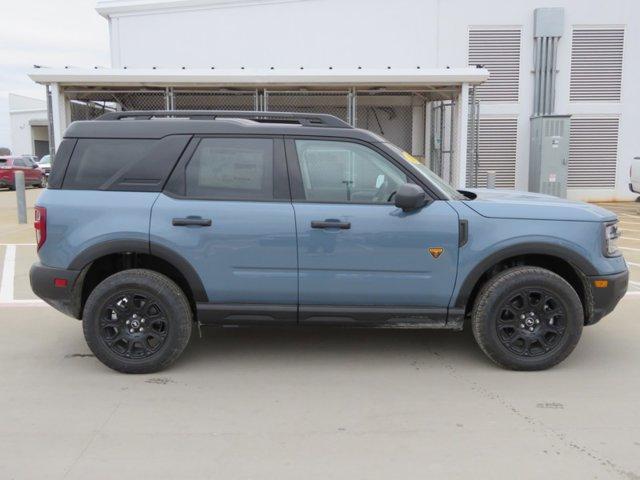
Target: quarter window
x: 98, y: 163
x: 231, y: 168
x: 345, y: 172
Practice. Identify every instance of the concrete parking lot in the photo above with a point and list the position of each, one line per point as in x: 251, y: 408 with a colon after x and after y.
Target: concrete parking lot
x: 307, y: 403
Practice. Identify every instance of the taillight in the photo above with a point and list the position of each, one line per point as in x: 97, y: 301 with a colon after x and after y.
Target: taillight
x: 40, y: 224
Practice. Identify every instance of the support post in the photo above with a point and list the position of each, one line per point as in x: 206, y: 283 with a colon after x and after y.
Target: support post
x: 59, y: 113
x: 461, y: 142
x: 52, y: 141
x: 18, y: 181
x: 417, y: 126
x: 491, y: 179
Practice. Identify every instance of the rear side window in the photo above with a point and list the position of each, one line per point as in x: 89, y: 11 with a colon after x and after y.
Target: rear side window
x: 123, y: 164
x: 97, y: 161
x: 231, y: 168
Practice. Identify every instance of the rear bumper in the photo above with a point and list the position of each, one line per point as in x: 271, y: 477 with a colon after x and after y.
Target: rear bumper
x: 604, y: 300
x: 65, y: 299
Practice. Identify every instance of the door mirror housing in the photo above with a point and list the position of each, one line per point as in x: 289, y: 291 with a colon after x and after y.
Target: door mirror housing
x: 410, y: 197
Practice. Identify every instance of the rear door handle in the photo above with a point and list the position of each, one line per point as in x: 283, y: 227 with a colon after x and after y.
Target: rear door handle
x: 331, y: 224
x: 191, y: 221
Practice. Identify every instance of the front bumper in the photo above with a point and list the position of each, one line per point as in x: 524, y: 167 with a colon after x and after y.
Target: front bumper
x: 66, y: 299
x: 633, y: 189
x: 604, y: 300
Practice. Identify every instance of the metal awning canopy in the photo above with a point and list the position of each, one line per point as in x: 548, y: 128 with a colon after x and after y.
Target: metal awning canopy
x: 252, y: 77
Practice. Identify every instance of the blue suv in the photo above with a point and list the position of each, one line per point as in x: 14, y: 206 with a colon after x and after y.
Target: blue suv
x: 154, y: 221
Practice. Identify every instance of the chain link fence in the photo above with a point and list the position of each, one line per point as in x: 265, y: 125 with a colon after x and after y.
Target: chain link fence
x: 390, y: 115
x: 213, y: 100
x: 87, y: 105
x: 420, y: 122
x: 334, y: 103
x: 441, y: 158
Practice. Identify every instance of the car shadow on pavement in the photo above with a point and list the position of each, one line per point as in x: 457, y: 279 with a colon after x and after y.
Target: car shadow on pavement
x: 312, y: 344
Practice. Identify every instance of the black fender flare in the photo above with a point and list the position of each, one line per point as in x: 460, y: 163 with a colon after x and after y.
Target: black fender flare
x: 581, y: 264
x: 86, y: 257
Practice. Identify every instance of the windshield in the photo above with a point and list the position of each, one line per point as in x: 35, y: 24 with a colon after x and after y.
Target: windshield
x: 428, y: 175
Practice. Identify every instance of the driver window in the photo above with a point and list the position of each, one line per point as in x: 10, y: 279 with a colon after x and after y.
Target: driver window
x: 345, y: 172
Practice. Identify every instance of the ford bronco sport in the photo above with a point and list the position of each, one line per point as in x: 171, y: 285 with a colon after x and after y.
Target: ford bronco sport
x: 151, y: 225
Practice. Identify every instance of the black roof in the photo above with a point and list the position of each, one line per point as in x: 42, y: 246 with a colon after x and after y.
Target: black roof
x: 158, y: 124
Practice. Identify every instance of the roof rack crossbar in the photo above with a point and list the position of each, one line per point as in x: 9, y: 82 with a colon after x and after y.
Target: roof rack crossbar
x: 306, y: 119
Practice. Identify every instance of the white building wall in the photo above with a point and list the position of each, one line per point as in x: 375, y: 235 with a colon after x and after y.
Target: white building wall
x: 378, y: 34
x: 22, y: 110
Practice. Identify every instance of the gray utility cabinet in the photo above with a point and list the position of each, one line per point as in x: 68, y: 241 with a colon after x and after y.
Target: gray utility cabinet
x: 549, y: 154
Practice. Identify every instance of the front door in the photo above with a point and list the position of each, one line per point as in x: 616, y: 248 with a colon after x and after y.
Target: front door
x: 228, y: 213
x: 360, y: 258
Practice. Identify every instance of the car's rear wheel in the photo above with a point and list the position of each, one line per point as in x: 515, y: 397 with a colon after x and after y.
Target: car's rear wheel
x: 137, y: 321
x: 527, y: 318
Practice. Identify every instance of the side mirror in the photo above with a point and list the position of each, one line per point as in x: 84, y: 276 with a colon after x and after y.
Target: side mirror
x: 34, y: 166
x: 410, y: 197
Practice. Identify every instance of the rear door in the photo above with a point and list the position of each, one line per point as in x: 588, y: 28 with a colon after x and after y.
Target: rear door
x: 362, y: 259
x: 227, y: 211
x: 32, y: 173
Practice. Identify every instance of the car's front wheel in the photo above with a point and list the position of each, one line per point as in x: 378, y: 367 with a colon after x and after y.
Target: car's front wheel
x: 527, y: 318
x: 137, y: 321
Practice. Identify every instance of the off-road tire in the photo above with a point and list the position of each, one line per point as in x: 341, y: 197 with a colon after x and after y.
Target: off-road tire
x: 172, y: 302
x: 488, y: 312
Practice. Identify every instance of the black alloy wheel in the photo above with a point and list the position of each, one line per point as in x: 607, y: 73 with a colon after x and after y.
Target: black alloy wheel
x: 531, y: 322
x: 134, y: 324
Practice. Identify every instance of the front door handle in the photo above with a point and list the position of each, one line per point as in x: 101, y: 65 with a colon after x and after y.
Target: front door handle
x: 331, y: 224
x: 191, y: 221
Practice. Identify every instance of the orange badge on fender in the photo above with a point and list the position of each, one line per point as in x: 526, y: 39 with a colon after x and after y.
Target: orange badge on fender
x: 436, y: 251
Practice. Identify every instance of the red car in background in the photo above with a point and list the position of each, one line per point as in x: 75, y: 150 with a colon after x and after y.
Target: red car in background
x: 11, y: 164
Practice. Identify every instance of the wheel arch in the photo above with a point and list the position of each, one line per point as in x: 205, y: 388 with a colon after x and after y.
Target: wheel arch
x: 563, y: 261
x: 101, y: 260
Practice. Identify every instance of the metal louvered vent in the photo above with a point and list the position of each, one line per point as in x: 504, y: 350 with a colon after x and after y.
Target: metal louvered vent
x: 499, y: 51
x: 497, y: 139
x: 593, y: 152
x: 596, y: 64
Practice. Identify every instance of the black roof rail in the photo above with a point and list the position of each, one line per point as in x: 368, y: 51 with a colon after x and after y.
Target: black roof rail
x: 306, y: 119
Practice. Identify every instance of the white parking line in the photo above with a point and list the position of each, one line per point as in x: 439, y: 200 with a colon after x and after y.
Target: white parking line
x: 624, y: 237
x: 8, y: 279
x: 633, y: 264
x: 8, y: 272
x: 629, y: 248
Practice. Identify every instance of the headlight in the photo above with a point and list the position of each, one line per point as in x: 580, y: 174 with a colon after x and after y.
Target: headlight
x: 611, y: 235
